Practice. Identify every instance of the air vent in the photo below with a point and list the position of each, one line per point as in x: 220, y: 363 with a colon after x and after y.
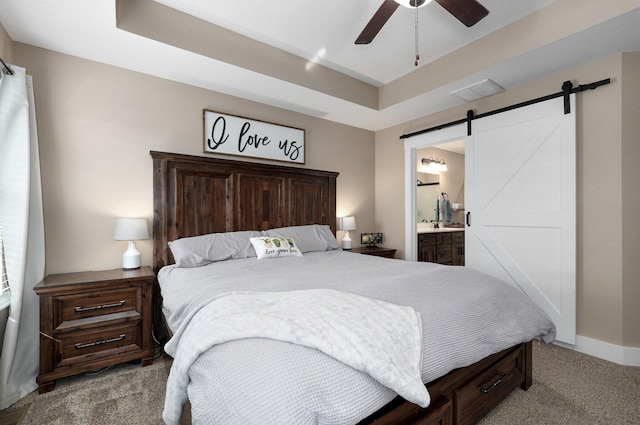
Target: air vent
x: 478, y: 90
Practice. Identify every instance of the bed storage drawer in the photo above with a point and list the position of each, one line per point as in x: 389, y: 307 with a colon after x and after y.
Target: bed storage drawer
x: 441, y: 413
x: 476, y: 398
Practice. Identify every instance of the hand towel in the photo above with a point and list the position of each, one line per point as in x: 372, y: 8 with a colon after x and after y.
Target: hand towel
x: 446, y: 210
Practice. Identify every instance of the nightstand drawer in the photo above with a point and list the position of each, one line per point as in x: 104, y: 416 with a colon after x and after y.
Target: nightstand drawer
x: 101, y: 340
x: 91, y: 304
x: 377, y: 251
x: 90, y: 320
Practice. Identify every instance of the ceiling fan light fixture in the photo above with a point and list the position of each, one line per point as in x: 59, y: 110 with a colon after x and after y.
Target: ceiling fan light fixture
x: 469, y: 12
x: 411, y: 4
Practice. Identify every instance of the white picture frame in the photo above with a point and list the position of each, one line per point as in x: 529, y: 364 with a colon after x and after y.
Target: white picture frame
x: 241, y: 136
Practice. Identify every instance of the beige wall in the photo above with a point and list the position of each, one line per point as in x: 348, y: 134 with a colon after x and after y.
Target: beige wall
x: 96, y: 126
x: 631, y: 199
x: 6, y: 46
x: 608, y: 287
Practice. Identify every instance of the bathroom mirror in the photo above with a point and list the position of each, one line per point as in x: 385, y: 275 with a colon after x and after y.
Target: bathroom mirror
x: 428, y: 187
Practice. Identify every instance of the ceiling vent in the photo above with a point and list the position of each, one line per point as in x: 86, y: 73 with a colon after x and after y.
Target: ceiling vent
x: 478, y: 90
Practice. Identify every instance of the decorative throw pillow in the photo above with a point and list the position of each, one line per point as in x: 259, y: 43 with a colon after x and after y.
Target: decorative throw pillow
x: 272, y: 247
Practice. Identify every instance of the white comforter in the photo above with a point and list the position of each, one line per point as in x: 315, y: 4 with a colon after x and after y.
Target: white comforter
x: 466, y: 316
x: 381, y: 339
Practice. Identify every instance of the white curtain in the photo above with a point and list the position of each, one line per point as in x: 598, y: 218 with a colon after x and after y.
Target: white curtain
x: 22, y: 234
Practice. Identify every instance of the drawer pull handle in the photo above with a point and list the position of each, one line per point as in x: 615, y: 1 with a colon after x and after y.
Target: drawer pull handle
x: 104, y: 341
x: 495, y: 384
x: 80, y: 309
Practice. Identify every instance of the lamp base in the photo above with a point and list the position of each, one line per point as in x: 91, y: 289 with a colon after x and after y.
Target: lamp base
x: 131, y: 257
x: 346, y: 241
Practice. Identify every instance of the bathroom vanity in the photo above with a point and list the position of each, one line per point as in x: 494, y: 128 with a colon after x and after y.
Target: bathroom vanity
x: 441, y: 245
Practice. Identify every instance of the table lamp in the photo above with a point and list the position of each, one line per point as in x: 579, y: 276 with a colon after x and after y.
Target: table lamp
x: 346, y: 224
x: 131, y: 229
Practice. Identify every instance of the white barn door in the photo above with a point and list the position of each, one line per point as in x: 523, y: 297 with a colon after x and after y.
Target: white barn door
x: 520, y: 196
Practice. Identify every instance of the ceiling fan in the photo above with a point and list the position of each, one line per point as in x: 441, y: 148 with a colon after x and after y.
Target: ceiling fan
x: 469, y: 12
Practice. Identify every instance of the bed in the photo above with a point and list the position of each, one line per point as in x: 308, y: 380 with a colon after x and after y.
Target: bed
x: 474, y: 348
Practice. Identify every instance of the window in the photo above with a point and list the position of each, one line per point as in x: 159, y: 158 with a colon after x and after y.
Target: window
x: 5, y: 296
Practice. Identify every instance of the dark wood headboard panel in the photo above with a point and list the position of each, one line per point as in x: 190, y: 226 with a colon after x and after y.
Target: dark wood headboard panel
x: 194, y: 195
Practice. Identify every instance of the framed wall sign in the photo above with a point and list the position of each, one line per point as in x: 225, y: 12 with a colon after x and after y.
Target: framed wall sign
x: 234, y: 135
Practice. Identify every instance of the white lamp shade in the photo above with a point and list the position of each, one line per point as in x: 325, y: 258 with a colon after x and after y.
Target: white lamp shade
x: 347, y: 223
x: 131, y: 229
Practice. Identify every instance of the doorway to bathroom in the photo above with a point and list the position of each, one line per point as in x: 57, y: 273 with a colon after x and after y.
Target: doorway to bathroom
x: 435, y: 183
x: 519, y: 201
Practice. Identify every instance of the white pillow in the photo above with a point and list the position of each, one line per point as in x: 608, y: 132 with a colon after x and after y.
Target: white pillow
x: 200, y: 250
x: 325, y: 231
x: 313, y: 237
x: 270, y: 247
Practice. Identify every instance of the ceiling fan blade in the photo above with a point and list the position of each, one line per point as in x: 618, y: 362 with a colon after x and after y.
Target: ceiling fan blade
x: 469, y: 12
x: 376, y: 23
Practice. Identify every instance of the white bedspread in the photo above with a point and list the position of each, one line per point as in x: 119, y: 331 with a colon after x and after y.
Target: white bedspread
x: 382, y: 339
x: 465, y: 317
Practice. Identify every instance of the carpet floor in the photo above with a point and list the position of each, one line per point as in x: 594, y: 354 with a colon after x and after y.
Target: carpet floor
x: 569, y: 388
x: 122, y: 394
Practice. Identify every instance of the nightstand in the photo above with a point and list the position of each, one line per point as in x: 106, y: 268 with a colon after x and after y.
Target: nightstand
x: 378, y: 251
x: 89, y: 320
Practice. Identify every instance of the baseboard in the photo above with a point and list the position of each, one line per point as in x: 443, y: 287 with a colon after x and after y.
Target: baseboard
x: 14, y: 417
x: 626, y: 356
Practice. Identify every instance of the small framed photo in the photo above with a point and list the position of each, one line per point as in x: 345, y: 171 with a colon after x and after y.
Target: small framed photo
x: 371, y: 239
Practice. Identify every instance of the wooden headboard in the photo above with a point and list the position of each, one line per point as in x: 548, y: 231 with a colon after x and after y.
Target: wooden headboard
x: 194, y: 195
